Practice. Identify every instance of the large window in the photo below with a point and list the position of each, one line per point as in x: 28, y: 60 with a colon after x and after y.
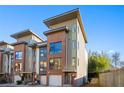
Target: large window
x: 43, y: 52
x: 55, y: 64
x: 18, y: 55
x: 55, y: 47
x: 18, y: 67
x: 43, y: 67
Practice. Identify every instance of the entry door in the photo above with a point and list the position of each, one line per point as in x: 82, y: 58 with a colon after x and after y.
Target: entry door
x: 67, y: 78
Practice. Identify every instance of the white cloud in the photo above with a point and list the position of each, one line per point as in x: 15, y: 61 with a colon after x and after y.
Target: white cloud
x: 110, y: 52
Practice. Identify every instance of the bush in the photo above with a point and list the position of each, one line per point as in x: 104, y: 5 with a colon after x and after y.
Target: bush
x: 98, y: 62
x: 19, y: 82
x: 3, y: 81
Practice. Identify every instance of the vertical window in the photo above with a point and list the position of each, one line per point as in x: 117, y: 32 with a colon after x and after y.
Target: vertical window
x: 43, y: 51
x: 74, y: 44
x: 74, y: 62
x: 43, y: 67
x: 78, y: 29
x: 74, y: 28
x: 18, y: 55
x: 78, y: 45
x: 55, y: 64
x: 55, y: 47
x: 18, y: 67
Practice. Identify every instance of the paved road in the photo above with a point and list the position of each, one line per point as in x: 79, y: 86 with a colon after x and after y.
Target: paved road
x: 14, y: 85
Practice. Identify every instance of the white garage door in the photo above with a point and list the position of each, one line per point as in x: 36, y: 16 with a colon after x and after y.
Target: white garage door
x: 43, y: 80
x: 55, y: 80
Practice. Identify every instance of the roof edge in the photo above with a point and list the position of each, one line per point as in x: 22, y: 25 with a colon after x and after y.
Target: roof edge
x: 68, y: 12
x: 59, y: 15
x: 55, y: 30
x: 4, y: 42
x: 14, y: 35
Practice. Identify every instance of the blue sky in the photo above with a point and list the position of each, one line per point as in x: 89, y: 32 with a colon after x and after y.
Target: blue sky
x: 104, y: 25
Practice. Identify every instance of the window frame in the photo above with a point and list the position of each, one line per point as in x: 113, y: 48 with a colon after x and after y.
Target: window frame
x: 42, y: 66
x: 18, y: 67
x: 19, y: 57
x: 59, y: 66
x: 74, y: 61
x: 43, y: 52
x: 54, y: 48
x: 74, y: 44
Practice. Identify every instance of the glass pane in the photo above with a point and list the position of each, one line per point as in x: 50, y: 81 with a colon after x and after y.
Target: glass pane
x: 43, y: 66
x: 18, y: 55
x: 55, y: 47
x: 55, y: 63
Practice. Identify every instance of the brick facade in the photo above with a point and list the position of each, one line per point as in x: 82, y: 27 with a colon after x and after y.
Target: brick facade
x: 56, y: 37
x: 21, y: 48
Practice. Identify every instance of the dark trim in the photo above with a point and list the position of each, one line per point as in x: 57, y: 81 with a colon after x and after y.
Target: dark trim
x: 64, y: 28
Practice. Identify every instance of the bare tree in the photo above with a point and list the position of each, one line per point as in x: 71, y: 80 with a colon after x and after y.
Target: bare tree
x: 116, y: 59
x: 121, y: 63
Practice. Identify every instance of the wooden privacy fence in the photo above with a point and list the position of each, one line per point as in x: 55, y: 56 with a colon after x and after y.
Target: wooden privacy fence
x: 114, y: 78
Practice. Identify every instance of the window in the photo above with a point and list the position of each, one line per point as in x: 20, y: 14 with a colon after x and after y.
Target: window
x: 55, y: 64
x: 78, y: 45
x: 74, y: 28
x: 18, y: 67
x: 78, y: 29
x: 43, y: 67
x: 43, y: 51
x: 74, y: 62
x: 55, y: 47
x: 18, y: 55
x: 74, y: 44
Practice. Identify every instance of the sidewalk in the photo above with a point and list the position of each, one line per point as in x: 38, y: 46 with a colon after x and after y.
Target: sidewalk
x: 14, y: 85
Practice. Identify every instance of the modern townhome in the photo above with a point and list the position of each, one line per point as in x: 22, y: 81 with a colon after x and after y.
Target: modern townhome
x: 6, y: 61
x: 60, y: 61
x: 66, y: 49
x: 26, y: 57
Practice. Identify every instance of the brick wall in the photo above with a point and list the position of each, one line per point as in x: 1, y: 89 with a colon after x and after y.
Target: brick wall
x: 20, y: 47
x: 56, y: 37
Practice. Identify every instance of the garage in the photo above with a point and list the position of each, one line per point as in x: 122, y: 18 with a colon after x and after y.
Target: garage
x: 43, y: 80
x: 55, y: 80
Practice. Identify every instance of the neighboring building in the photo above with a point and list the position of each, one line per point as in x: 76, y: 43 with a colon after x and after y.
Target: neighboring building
x: 59, y: 61
x: 6, y: 60
x: 43, y: 61
x: 26, y: 55
x: 66, y: 47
